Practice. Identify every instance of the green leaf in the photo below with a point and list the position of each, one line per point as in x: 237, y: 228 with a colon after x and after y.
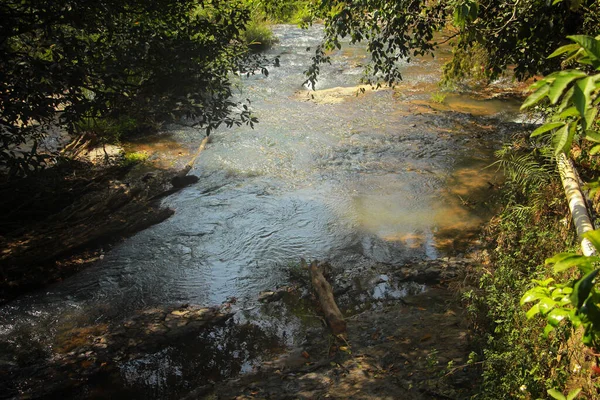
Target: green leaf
x: 543, y: 283
x: 575, y: 56
x: 557, y: 294
x: 581, y: 96
x: 592, y: 312
x: 533, y: 311
x: 535, y: 294
x: 569, y: 48
x: 592, y: 136
x: 574, y: 317
x: 595, y: 150
x: 544, y: 81
x: 549, y: 328
x: 556, y: 316
x: 556, y: 394
x: 546, y: 305
x: 465, y: 12
x: 473, y: 10
x: 594, y: 237
x: 569, y: 112
x: 588, y: 336
x: 535, y: 97
x: 582, y: 289
x: 573, y: 393
x: 590, y: 44
x: 563, y: 139
x: 566, y: 100
x: 589, y: 117
x: 569, y: 262
x: 546, y: 127
x: 561, y: 82
x: 558, y: 257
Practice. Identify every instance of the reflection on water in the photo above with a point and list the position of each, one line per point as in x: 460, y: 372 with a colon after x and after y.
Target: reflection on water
x: 381, y: 177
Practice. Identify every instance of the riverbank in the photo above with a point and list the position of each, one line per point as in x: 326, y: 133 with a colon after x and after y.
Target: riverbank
x: 63, y: 219
x: 403, y: 349
x: 517, y: 358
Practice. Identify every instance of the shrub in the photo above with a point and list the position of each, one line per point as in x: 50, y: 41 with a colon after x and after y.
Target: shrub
x: 258, y: 36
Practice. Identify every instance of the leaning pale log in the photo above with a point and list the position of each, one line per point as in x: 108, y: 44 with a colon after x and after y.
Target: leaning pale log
x: 182, y: 178
x: 577, y: 204
x: 322, y: 288
x: 190, y: 164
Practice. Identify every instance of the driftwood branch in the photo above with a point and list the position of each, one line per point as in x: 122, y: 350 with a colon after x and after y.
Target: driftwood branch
x: 322, y: 288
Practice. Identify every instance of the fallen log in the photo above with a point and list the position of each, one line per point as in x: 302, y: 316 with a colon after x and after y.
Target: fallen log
x: 322, y: 288
x: 182, y: 178
x: 190, y: 164
x: 577, y: 204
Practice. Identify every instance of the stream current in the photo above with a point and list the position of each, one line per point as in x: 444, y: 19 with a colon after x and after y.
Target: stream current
x: 358, y: 179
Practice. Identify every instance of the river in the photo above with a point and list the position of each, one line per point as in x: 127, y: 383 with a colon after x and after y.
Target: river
x: 355, y: 178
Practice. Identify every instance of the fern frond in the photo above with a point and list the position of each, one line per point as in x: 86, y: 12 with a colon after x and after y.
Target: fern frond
x: 524, y: 170
x: 519, y: 211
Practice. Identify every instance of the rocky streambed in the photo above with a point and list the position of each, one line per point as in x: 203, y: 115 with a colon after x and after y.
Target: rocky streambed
x: 407, y: 336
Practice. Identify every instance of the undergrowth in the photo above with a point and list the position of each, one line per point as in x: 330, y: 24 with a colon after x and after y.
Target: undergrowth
x: 258, y: 35
x: 515, y: 360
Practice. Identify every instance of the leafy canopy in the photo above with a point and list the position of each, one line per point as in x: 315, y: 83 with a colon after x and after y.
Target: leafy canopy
x: 64, y: 62
x: 515, y: 33
x: 574, y: 95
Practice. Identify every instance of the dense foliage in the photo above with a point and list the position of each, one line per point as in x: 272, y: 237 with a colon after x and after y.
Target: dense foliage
x: 574, y: 95
x: 516, y: 361
x: 288, y: 11
x: 510, y: 33
x: 79, y: 63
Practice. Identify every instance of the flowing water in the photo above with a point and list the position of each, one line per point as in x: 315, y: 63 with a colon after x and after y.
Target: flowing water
x: 355, y: 178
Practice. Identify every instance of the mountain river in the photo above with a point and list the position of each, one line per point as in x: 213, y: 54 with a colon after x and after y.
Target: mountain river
x: 358, y: 179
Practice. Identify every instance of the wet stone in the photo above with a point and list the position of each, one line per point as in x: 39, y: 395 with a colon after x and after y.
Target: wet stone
x: 431, y: 272
x: 273, y: 295
x: 157, y: 328
x: 174, y: 324
x: 129, y: 323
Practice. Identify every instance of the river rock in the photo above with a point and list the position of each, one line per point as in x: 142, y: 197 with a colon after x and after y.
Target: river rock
x: 147, y: 329
x: 432, y: 271
x: 272, y: 295
x: 183, y: 181
x: 105, y: 153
